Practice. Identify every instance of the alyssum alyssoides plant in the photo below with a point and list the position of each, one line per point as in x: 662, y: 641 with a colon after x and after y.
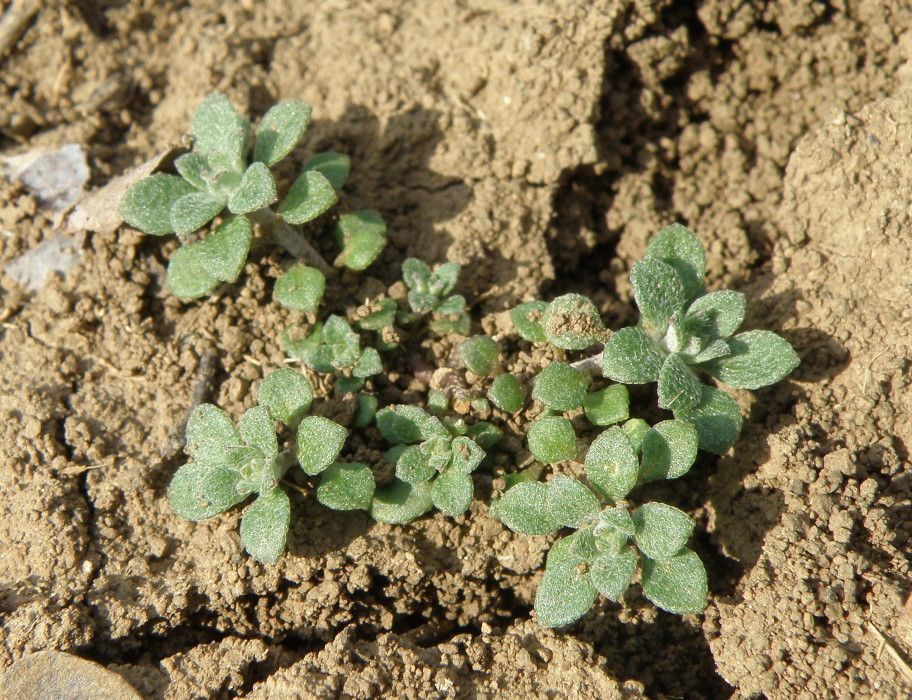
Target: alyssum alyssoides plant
x: 219, y: 178
x: 682, y: 330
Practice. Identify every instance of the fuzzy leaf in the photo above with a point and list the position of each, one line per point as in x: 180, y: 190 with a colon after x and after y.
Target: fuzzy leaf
x: 466, y: 455
x: 679, y: 387
x: 552, y: 439
x: 444, y: 279
x: 560, y: 387
x: 258, y: 430
x: 479, y: 354
x: 485, y: 435
x: 300, y: 288
x: 717, y: 419
x: 572, y: 322
x: 527, y: 319
x: 611, y: 464
x: 611, y: 574
x: 524, y: 509
x: 452, y: 492
x: 199, y: 491
x: 362, y: 237
x: 681, y: 249
x: 460, y: 325
x: 197, y: 268
x: 335, y: 167
x: 613, y: 530
x: 318, y: 443
x: 286, y: 393
x: 635, y: 429
x: 570, y: 549
x: 570, y: 502
x: 211, y: 435
x: 669, y: 450
x: 256, y: 190
x: 661, y: 530
x: 264, y: 526
x: 757, y: 359
x: 398, y: 503
x: 192, y: 166
x: 221, y: 134
x: 147, y: 204
x: 417, y: 276
x: 368, y: 364
x: 414, y: 466
x: 607, y: 406
x: 564, y: 595
x: 717, y: 314
x: 280, y: 130
x: 346, y: 487
x: 450, y: 306
x: 310, y: 195
x: 658, y: 291
x: 678, y: 584
x: 507, y: 393
x: 713, y: 351
x: 632, y: 357
x: 402, y: 424
x: 367, y: 411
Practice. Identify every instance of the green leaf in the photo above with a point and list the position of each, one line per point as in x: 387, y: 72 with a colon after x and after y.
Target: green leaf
x: 147, y: 204
x: 635, y: 429
x: 527, y: 319
x: 680, y: 248
x: 560, y: 387
x: 661, y: 530
x: 479, y: 354
x: 568, y: 550
x: 399, y: 503
x: 552, y: 439
x: 611, y: 574
x: 564, y: 595
x: 451, y: 306
x: 466, y: 455
x: 193, y: 211
x: 194, y: 169
x: 461, y: 325
x: 286, y: 393
x: 414, y: 466
x: 611, y: 464
x: 417, y: 277
x: 717, y: 314
x: 572, y: 322
x: 613, y: 530
x: 679, y: 387
x: 659, y: 293
x: 368, y: 364
x: 607, y: 406
x: 346, y: 487
x: 335, y: 167
x: 256, y: 190
x: 757, y: 359
x: 258, y: 430
x: 717, y: 419
x: 310, y: 195
x: 362, y: 236
x: 264, y: 526
x: 280, y: 130
x: 524, y: 509
x: 211, y: 436
x: 452, y: 492
x: 507, y: 393
x: 300, y: 288
x: 318, y: 443
x: 669, y: 450
x: 199, y: 491
x: 196, y: 268
x: 570, y: 502
x: 678, y: 584
x: 713, y: 351
x: 443, y: 280
x: 220, y: 133
x: 632, y: 357
x: 367, y: 411
x: 383, y: 317
x: 403, y: 424
x: 484, y: 434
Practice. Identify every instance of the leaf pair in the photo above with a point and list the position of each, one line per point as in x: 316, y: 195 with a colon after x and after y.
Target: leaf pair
x: 332, y: 346
x: 571, y: 322
x: 429, y: 293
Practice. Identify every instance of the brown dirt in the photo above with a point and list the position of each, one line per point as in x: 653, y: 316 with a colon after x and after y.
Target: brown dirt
x: 542, y: 144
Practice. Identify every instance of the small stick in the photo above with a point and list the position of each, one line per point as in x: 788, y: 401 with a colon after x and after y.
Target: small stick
x: 904, y: 667
x: 15, y: 21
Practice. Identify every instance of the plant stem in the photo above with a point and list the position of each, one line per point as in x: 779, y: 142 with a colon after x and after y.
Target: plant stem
x: 590, y: 366
x: 285, y: 236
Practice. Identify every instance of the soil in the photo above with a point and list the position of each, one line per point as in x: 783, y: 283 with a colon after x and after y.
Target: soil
x: 541, y: 143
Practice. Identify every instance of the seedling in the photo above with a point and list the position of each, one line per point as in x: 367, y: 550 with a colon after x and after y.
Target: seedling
x: 434, y: 461
x: 429, y: 293
x: 232, y: 463
x: 217, y: 175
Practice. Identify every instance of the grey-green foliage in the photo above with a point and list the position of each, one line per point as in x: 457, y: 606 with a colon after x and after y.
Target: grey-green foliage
x: 604, y: 553
x: 332, y: 347
x: 429, y: 292
x: 218, y: 177
x: 682, y: 328
x: 231, y: 463
x: 434, y: 460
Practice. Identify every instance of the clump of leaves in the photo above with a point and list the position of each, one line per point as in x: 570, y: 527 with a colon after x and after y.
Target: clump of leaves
x: 434, y: 461
x: 220, y: 178
x: 429, y: 293
x: 231, y: 463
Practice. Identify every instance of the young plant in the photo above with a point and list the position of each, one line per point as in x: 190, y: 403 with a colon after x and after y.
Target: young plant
x: 434, y: 461
x: 429, y: 293
x: 218, y: 178
x: 231, y: 463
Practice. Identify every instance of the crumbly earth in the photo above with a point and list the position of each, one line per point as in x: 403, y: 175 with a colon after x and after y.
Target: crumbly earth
x: 541, y: 143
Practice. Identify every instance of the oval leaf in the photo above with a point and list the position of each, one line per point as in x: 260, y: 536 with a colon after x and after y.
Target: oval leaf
x: 632, y: 357
x: 193, y: 211
x: 300, y: 288
x: 286, y: 393
x: 661, y: 530
x: 570, y: 502
x: 199, y: 491
x: 607, y: 406
x: 452, y: 492
x: 573, y: 322
x: 362, y: 236
x: 717, y: 314
x: 507, y: 393
x: 658, y: 291
x: 527, y: 320
x: 757, y: 359
x: 256, y: 190
x: 560, y: 387
x: 220, y: 133
x: 414, y: 466
x: 680, y: 248
x: 524, y: 509
x: 310, y: 195
x: 280, y: 130
x: 552, y: 439
x: 211, y: 435
x: 318, y: 443
x: 335, y: 167
x: 147, y: 204
x: 678, y: 584
x: 717, y: 419
x: 611, y: 464
x: 679, y: 388
x: 346, y: 487
x: 611, y: 574
x: 564, y: 595
x: 398, y: 503
x: 258, y: 430
x: 669, y: 450
x: 479, y: 354
x: 264, y: 526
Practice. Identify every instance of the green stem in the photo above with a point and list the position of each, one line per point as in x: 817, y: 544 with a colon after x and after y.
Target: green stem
x: 590, y: 366
x: 285, y: 236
